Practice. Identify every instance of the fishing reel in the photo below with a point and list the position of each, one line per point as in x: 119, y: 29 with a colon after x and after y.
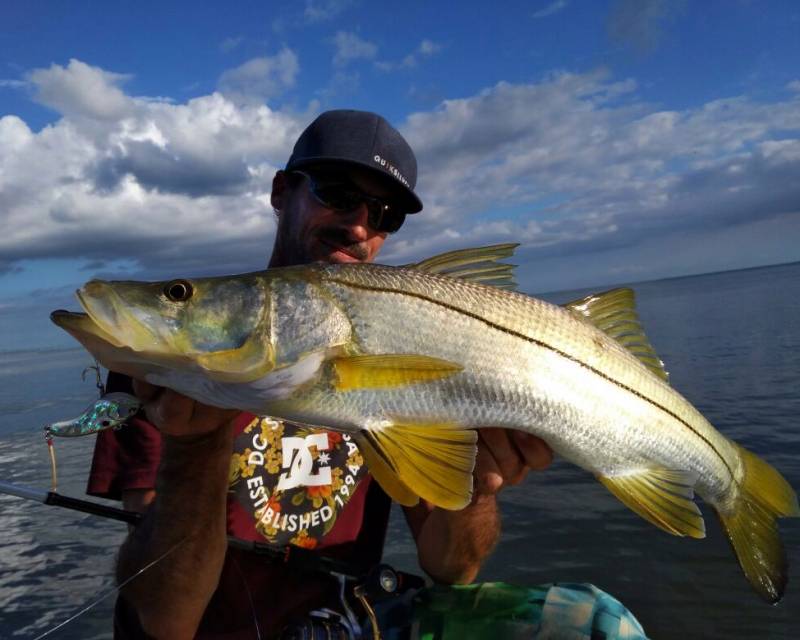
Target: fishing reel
x: 356, y: 618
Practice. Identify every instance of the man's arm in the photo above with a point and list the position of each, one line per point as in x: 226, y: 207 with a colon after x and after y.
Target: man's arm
x: 452, y: 545
x: 186, y: 513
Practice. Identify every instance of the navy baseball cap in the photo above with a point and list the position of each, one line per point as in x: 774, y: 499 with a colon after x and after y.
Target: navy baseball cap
x: 364, y: 140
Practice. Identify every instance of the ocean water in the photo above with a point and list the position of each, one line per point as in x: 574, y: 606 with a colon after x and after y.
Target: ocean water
x: 731, y: 342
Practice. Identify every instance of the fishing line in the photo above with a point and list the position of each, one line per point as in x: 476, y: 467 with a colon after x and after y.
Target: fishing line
x: 114, y: 590
x: 249, y: 596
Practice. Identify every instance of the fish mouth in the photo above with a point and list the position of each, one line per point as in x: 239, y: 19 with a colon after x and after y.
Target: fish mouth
x: 103, y: 326
x: 106, y: 307
x: 108, y: 350
x: 97, y: 300
x: 105, y: 348
x: 82, y: 327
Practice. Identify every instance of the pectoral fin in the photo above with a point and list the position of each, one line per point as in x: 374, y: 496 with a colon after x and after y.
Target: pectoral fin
x: 251, y: 361
x: 663, y: 497
x: 389, y: 370
x: 432, y: 461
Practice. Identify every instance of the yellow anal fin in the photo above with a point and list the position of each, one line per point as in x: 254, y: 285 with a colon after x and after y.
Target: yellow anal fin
x: 433, y: 461
x: 389, y: 370
x: 752, y: 529
x: 614, y: 313
x: 383, y: 472
x: 478, y: 264
x: 251, y: 361
x: 663, y: 497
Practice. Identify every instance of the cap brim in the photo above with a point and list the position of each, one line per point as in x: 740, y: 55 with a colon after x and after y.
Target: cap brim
x: 395, y: 191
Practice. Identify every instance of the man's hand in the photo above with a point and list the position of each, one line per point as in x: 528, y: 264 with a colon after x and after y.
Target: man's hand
x: 177, y: 415
x: 504, y: 458
x: 452, y: 545
x: 187, y: 514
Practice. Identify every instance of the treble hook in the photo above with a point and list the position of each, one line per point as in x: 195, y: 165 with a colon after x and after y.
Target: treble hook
x: 98, y: 380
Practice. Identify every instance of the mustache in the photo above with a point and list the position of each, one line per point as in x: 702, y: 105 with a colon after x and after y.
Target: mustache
x: 341, y: 238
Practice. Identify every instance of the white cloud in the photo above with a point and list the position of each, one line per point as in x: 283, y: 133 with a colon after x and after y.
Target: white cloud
x: 429, y: 47
x: 571, y: 166
x: 80, y: 90
x: 173, y: 185
x: 342, y: 83
x: 640, y: 23
x: 323, y: 10
x: 425, y: 49
x: 230, y: 43
x: 13, y: 84
x: 794, y: 86
x: 591, y: 169
x: 550, y: 9
x: 350, y: 47
x: 261, y: 78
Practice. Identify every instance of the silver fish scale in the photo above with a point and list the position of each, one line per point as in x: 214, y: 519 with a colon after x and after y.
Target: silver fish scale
x: 527, y: 365
x: 302, y: 321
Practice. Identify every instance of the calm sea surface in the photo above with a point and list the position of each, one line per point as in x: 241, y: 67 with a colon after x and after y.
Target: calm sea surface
x: 731, y: 342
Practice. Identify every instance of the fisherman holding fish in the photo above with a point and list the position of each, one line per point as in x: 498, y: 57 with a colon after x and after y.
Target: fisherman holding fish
x: 200, y: 473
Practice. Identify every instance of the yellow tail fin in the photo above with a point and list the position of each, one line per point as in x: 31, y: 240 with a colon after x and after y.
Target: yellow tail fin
x: 752, y: 528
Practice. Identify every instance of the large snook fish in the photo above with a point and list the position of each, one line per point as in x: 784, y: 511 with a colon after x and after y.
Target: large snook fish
x: 411, y: 359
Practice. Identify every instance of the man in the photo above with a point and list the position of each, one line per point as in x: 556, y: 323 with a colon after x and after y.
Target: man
x: 348, y: 185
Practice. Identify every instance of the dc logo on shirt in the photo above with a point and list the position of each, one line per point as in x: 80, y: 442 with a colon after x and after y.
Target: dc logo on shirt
x: 298, y: 459
x: 293, y: 480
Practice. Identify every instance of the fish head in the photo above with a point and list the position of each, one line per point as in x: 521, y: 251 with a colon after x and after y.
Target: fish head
x: 217, y: 327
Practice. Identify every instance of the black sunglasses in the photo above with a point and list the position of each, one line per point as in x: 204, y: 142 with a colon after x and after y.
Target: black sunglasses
x: 341, y: 197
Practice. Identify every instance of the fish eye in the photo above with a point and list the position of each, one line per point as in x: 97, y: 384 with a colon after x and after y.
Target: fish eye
x: 178, y: 290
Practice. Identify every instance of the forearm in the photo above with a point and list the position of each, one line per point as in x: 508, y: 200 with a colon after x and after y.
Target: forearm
x: 189, y: 511
x: 452, y: 545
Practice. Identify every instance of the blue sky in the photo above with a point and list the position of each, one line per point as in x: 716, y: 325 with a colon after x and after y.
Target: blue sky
x: 617, y: 141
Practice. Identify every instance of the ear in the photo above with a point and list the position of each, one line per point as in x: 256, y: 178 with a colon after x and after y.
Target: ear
x: 280, y: 186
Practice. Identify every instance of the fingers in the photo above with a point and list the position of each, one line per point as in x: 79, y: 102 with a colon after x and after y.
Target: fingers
x: 505, y: 457
x: 488, y: 478
x: 170, y: 410
x: 535, y: 451
x: 145, y: 391
x: 178, y: 415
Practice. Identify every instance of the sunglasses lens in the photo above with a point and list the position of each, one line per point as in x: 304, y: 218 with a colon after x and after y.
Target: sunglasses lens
x: 336, y: 197
x: 384, y: 218
x: 381, y: 217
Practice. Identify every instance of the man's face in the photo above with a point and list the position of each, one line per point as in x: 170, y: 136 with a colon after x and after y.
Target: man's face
x: 309, y: 231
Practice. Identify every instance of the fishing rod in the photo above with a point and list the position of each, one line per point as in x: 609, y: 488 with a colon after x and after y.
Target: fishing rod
x: 55, y: 499
x: 296, y: 558
x: 112, y: 411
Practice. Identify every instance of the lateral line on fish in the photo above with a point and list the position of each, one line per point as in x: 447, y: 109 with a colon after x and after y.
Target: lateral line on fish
x: 544, y: 345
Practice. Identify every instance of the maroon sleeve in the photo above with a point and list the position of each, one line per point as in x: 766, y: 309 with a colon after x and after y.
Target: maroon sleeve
x: 125, y: 459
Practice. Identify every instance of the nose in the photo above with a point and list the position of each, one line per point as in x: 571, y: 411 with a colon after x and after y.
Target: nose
x: 357, y: 222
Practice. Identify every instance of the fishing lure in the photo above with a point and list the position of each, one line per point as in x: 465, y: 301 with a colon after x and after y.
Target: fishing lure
x: 108, y: 412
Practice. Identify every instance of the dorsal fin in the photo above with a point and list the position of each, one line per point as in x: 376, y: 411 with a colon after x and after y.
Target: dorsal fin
x: 614, y: 313
x: 479, y: 264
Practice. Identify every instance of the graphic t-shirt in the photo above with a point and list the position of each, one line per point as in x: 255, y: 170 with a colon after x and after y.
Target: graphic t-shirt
x: 289, y: 485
